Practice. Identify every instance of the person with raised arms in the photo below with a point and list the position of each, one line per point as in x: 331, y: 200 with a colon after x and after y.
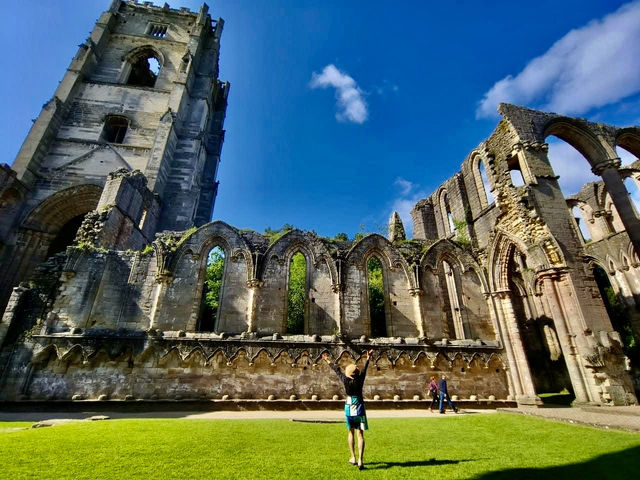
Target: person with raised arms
x: 354, y: 411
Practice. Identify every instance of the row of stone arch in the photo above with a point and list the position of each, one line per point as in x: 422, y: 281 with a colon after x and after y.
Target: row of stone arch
x: 256, y: 280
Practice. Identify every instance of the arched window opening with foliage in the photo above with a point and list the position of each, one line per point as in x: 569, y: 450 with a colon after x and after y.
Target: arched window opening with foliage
x: 212, y: 289
x: 376, y: 298
x: 297, y: 294
x: 618, y: 313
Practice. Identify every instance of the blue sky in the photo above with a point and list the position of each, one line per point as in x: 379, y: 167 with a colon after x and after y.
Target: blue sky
x: 419, y: 82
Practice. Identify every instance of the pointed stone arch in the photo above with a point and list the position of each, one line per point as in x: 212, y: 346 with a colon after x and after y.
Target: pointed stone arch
x: 629, y: 139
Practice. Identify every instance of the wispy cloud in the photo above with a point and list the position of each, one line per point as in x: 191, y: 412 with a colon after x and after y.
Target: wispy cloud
x: 589, y: 67
x: 351, y: 104
x: 408, y: 195
x: 386, y: 88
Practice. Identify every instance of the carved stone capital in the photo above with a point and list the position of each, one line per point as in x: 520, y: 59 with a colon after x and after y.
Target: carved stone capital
x: 529, y: 146
x: 416, y: 292
x: 603, y: 165
x: 336, y: 287
x: 254, y: 283
x: 164, y: 277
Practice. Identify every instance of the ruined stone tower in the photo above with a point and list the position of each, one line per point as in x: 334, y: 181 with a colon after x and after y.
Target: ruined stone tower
x: 142, y: 99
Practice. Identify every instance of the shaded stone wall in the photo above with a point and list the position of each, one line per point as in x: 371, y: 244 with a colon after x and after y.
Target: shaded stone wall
x: 199, y: 369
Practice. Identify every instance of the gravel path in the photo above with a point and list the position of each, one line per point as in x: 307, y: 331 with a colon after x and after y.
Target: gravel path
x: 302, y: 415
x: 623, y: 418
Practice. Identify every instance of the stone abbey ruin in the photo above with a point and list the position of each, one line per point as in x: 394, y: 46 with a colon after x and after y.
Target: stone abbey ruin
x: 105, y: 235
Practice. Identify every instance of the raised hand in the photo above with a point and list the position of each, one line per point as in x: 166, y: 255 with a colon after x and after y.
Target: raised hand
x: 369, y: 353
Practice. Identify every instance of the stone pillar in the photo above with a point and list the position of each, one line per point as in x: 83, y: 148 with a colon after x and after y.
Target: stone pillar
x: 337, y: 289
x: 162, y: 281
x: 566, y: 336
x: 608, y: 170
x: 518, y: 364
x: 417, y: 295
x: 11, y: 311
x: 253, y: 285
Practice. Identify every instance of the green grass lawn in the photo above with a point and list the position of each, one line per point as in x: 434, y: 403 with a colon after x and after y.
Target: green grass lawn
x: 498, y: 446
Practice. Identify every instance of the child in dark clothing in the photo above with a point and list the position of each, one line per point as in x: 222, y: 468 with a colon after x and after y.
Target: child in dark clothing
x: 355, y: 414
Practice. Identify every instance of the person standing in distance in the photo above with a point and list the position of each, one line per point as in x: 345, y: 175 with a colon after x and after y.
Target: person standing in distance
x: 445, y: 394
x: 433, y: 391
x: 354, y: 411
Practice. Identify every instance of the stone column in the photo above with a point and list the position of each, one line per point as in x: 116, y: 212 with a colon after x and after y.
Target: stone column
x: 519, y: 365
x: 608, y: 170
x: 337, y: 289
x: 528, y: 388
x: 506, y: 343
x: 253, y: 285
x: 567, y: 343
x: 162, y: 281
x: 417, y: 294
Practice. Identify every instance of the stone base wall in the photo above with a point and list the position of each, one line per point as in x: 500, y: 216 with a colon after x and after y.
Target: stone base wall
x: 66, y: 368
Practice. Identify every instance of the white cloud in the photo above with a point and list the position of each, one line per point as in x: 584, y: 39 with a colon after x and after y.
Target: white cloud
x: 589, y: 67
x: 408, y: 195
x: 351, y: 104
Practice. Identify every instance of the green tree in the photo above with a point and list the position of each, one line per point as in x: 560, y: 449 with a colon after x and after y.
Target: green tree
x: 213, y: 287
x: 376, y: 298
x: 274, y: 235
x: 297, y: 295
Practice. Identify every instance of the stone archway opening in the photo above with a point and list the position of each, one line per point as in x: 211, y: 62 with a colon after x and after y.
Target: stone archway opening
x: 297, y: 294
x: 539, y: 338
x: 65, y: 235
x: 377, y: 307
x: 212, y: 290
x: 618, y: 312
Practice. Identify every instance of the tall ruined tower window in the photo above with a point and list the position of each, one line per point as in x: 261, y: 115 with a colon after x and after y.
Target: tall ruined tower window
x: 144, y: 70
x: 212, y: 290
x: 375, y: 281
x: 484, y: 179
x: 449, y: 224
x: 583, y: 228
x: 115, y: 129
x: 297, y: 294
x: 157, y: 30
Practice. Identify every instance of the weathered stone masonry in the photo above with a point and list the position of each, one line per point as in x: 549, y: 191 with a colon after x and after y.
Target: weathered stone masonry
x: 495, y: 290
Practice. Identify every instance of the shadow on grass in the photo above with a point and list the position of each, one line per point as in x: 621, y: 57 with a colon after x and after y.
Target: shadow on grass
x: 621, y: 465
x: 414, y: 463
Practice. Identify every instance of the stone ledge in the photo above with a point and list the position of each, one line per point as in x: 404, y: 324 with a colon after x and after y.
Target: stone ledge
x: 228, y: 405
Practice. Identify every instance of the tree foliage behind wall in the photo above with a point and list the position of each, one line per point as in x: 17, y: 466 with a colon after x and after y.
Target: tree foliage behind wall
x: 618, y: 314
x: 297, y: 295
x: 376, y: 298
x: 212, y: 289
